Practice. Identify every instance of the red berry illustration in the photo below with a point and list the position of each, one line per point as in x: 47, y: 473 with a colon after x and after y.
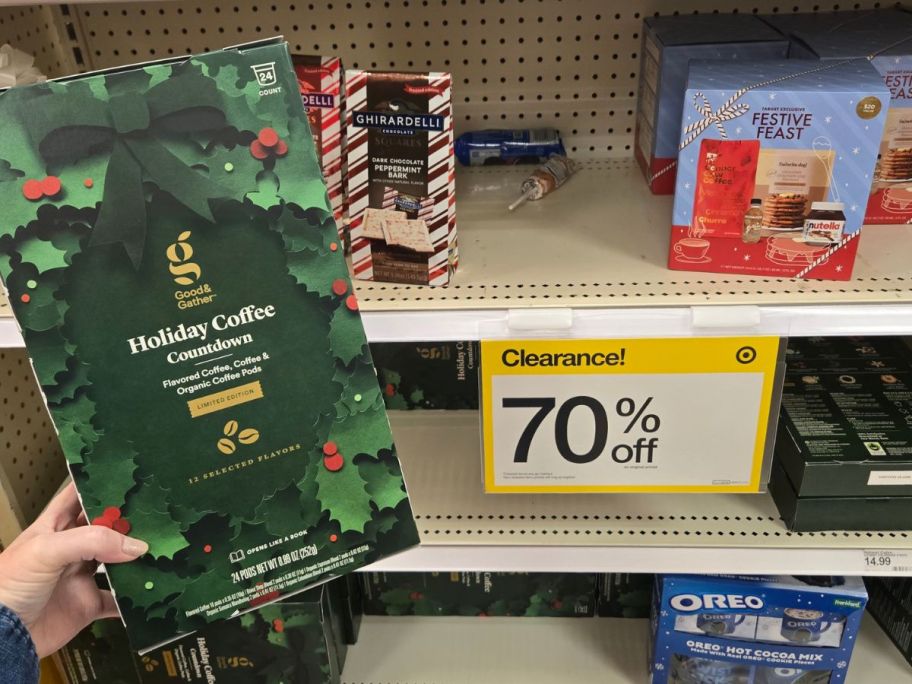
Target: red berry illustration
x: 334, y: 538
x: 88, y: 182
x: 111, y: 513
x: 333, y: 463
x: 25, y: 298
x: 330, y: 449
x: 121, y: 525
x: 207, y: 548
x: 390, y: 390
x: 278, y: 625
x: 50, y: 186
x: 281, y: 149
x: 258, y: 151
x: 101, y: 520
x: 557, y: 604
x: 416, y: 596
x: 268, y: 137
x: 32, y: 191
x: 351, y: 302
x: 339, y: 287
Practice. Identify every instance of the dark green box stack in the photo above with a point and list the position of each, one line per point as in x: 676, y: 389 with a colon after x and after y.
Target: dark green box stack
x: 515, y: 594
x: 844, y: 445
x: 890, y: 603
x: 300, y: 640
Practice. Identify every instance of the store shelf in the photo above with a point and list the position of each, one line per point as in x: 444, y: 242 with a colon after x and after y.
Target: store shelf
x: 440, y: 650
x: 597, y: 250
x: 464, y: 529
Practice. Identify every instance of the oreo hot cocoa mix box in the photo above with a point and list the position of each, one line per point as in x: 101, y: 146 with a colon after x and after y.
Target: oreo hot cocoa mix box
x: 320, y: 80
x: 401, y: 176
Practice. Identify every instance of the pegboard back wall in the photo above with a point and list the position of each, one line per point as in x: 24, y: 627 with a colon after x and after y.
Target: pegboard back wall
x: 567, y: 63
x: 39, y: 30
x: 32, y: 465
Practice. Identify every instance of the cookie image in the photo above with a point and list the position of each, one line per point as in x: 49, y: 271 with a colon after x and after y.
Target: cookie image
x: 784, y: 210
x: 896, y: 164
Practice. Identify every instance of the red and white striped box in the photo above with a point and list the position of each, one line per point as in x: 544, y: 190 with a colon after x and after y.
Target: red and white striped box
x: 320, y: 80
x: 400, y: 159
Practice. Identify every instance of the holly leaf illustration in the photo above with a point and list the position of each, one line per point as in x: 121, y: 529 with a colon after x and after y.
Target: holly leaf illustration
x: 313, y: 229
x: 367, y: 432
x: 313, y: 270
x: 360, y: 389
x: 43, y: 254
x: 110, y: 467
x: 147, y: 511
x: 288, y: 511
x: 344, y: 495
x: 165, y: 584
x: 48, y: 350
x: 385, y: 488
x: 346, y: 335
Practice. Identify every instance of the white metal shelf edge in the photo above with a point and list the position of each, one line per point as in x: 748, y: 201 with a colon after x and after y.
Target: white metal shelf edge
x: 477, y: 324
x: 639, y: 559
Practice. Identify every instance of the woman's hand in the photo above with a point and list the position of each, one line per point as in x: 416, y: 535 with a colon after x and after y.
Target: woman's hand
x: 47, y: 573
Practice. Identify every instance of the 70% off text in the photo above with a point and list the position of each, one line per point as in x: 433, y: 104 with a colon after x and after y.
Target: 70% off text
x: 640, y: 451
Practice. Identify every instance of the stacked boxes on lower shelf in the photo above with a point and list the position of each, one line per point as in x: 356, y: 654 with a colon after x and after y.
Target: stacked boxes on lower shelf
x: 754, y: 630
x: 516, y: 594
x: 304, y: 639
x: 891, y: 605
x: 844, y: 448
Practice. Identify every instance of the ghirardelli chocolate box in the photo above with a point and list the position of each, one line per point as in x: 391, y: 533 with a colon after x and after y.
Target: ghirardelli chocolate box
x: 401, y: 176
x: 320, y: 79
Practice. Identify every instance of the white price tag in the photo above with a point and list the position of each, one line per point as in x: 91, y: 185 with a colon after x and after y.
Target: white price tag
x: 887, y: 561
x: 661, y: 415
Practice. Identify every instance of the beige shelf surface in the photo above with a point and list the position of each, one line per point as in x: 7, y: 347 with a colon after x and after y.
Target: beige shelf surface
x: 444, y: 650
x: 464, y: 529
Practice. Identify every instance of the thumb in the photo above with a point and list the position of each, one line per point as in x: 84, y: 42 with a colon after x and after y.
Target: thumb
x: 87, y: 543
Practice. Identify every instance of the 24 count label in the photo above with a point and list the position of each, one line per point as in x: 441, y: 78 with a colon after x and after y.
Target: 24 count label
x: 659, y: 415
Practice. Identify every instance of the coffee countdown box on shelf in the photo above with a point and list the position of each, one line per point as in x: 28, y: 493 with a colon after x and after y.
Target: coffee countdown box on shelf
x: 775, y: 165
x: 289, y: 641
x: 171, y: 257
x: 754, y: 630
x: 514, y: 594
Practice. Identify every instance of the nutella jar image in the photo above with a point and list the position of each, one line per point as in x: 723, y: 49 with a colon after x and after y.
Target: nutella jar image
x: 825, y: 223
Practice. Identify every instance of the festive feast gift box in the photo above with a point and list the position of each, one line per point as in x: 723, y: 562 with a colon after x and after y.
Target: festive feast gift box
x: 775, y: 165
x: 669, y: 44
x: 888, y: 45
x: 754, y: 630
x: 401, y: 176
x: 173, y: 263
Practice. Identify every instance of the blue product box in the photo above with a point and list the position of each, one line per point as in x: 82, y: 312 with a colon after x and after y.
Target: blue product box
x: 669, y: 44
x: 727, y: 629
x: 791, y: 23
x: 775, y: 166
x: 886, y: 40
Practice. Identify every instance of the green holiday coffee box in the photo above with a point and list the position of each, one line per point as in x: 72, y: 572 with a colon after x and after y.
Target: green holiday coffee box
x: 171, y: 257
x: 517, y: 594
x: 428, y: 375
x: 289, y: 641
x: 624, y: 594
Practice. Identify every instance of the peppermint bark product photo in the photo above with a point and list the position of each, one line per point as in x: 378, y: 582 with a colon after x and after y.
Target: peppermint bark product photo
x: 174, y: 266
x: 776, y: 161
x: 401, y: 176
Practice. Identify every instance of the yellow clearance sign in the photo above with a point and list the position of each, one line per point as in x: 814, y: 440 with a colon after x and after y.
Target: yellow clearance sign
x: 639, y: 415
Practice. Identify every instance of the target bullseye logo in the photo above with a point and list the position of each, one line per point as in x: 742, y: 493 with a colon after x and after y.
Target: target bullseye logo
x: 746, y: 355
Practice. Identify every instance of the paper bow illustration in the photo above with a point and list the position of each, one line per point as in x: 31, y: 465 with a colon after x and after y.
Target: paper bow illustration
x: 728, y: 111
x: 130, y: 128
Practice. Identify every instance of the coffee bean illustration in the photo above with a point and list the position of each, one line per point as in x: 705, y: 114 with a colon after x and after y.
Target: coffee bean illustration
x: 248, y: 436
x: 226, y: 446
x: 230, y: 428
